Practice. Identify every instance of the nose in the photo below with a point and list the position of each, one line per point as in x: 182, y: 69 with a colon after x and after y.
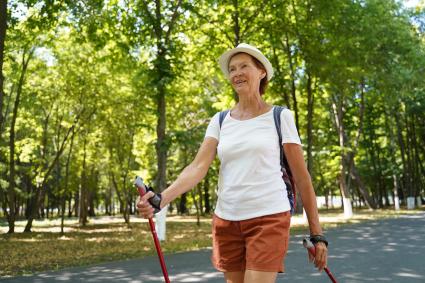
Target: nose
x: 239, y: 72
x: 236, y: 74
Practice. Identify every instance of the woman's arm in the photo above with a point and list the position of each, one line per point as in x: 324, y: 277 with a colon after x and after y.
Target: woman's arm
x: 303, y: 184
x: 302, y: 179
x: 193, y: 173
x: 188, y: 178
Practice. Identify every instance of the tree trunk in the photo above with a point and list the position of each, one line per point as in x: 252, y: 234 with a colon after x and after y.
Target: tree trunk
x: 392, y: 148
x: 108, y: 204
x: 125, y: 199
x: 201, y: 200
x: 406, y: 174
x: 310, y: 114
x: 383, y: 201
x: 416, y: 159
x: 279, y: 74
x: 44, y: 158
x: 337, y: 108
x: 11, y: 190
x: 193, y: 193
x: 363, y: 190
x: 347, y: 156
x: 3, y: 27
x: 39, y: 189
x: 161, y: 145
x: 287, y: 48
x: 182, y: 204
x: 121, y: 199
x: 207, y: 195
x: 236, y: 27
x: 162, y: 72
x: 47, y: 208
x: 161, y: 67
x: 76, y: 207
x: 82, y: 219
x: 162, y: 31
x: 91, y: 195
x: 411, y: 187
x: 65, y: 189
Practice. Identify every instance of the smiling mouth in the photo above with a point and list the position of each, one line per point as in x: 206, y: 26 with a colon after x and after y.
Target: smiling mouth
x: 238, y: 83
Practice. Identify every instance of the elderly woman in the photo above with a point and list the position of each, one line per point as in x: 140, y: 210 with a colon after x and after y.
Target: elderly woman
x: 251, y: 220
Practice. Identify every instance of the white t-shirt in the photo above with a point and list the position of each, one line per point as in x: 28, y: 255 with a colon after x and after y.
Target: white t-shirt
x: 250, y: 180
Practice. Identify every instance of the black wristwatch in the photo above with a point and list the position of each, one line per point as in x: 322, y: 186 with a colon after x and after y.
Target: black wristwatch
x: 317, y: 239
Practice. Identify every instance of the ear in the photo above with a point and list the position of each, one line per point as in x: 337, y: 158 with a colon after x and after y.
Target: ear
x: 263, y: 75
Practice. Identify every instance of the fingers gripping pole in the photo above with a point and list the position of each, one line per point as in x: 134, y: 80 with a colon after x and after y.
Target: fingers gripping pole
x: 141, y: 187
x: 312, y: 250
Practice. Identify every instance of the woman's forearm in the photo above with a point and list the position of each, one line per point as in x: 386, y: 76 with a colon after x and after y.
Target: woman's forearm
x: 193, y: 173
x: 308, y: 197
x: 304, y: 186
x: 187, y: 179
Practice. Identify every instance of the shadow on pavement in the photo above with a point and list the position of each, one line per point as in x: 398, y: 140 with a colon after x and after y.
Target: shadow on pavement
x: 389, y: 250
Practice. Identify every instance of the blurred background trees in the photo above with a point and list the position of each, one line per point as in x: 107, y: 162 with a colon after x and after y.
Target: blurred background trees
x: 94, y: 92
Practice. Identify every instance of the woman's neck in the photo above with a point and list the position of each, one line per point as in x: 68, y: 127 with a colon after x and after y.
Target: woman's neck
x: 249, y: 107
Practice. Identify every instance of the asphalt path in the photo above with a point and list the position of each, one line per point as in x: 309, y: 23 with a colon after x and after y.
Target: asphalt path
x: 390, y: 250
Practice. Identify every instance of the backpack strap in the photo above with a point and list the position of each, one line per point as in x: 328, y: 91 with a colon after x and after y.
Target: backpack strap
x: 286, y: 170
x: 277, y: 110
x: 223, y: 115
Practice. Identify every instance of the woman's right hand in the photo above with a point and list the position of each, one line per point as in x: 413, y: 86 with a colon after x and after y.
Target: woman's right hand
x: 144, y: 207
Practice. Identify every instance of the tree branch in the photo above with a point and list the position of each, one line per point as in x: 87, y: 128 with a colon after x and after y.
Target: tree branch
x: 151, y: 17
x: 172, y: 21
x: 251, y: 19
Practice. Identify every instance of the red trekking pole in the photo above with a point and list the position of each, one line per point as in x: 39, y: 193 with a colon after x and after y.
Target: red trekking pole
x: 141, y: 187
x: 312, y: 250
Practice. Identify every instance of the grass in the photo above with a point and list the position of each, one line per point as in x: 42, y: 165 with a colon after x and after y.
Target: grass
x: 108, y: 239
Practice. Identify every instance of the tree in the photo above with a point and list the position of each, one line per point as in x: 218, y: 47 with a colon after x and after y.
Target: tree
x: 3, y: 27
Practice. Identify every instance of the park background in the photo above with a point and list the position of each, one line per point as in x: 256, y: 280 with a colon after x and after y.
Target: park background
x: 95, y: 92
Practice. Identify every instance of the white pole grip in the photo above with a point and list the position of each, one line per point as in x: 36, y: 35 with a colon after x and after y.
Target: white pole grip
x: 138, y: 182
x: 307, y: 243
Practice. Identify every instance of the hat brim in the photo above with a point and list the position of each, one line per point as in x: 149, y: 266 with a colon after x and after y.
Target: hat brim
x: 226, y: 56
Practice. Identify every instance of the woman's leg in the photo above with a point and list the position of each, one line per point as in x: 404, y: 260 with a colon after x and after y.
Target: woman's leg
x: 234, y: 277
x: 252, y: 276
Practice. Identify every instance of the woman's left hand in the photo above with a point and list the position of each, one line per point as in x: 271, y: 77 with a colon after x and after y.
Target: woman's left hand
x: 321, y: 258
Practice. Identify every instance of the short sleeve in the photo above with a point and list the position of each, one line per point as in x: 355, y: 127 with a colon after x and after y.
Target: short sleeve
x: 213, y: 129
x: 288, y: 128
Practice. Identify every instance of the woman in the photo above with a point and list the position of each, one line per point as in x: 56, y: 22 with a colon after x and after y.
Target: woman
x: 251, y: 220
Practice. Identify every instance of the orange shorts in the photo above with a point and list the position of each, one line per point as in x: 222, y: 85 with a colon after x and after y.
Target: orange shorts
x: 256, y: 244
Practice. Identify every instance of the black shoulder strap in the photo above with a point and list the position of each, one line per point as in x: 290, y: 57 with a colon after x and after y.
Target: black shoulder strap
x: 277, y: 110
x: 222, y: 116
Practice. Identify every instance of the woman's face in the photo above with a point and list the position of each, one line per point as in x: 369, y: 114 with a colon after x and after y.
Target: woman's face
x: 244, y: 75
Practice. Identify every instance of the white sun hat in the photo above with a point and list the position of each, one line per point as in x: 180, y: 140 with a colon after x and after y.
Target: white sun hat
x: 249, y: 49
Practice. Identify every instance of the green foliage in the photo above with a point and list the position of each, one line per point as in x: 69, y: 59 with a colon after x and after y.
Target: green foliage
x: 100, y: 69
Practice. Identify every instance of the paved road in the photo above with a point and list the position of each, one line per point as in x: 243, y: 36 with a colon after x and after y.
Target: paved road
x: 390, y: 250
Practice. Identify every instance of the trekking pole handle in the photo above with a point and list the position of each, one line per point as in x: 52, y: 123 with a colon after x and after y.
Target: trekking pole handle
x: 309, y: 246
x: 312, y: 250
x: 141, y: 187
